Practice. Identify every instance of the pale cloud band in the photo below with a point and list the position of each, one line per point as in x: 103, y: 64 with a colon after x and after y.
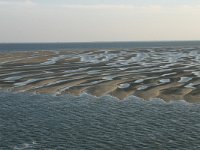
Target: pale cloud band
x: 82, y: 3
x: 33, y: 21
x: 16, y: 1
x: 144, y: 7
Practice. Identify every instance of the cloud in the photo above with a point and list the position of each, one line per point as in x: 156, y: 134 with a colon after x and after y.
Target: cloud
x: 116, y: 7
x: 17, y: 2
x: 112, y: 7
x: 143, y: 8
x: 190, y: 9
x: 31, y: 20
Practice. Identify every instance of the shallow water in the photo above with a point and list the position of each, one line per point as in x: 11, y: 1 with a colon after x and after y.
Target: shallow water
x: 86, y: 122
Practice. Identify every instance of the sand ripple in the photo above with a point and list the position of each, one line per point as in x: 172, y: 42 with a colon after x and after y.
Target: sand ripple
x: 167, y: 73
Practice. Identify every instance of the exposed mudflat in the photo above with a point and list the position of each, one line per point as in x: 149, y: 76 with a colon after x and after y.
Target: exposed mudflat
x: 166, y: 73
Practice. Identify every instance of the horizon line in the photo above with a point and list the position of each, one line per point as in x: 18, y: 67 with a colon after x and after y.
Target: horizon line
x: 74, y: 42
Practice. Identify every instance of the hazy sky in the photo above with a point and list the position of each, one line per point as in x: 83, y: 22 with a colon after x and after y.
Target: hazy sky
x: 98, y: 20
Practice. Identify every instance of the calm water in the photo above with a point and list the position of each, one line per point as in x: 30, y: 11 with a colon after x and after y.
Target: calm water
x: 85, y: 122
x: 98, y: 45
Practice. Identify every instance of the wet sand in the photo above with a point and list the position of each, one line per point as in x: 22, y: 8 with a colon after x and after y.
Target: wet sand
x: 145, y: 73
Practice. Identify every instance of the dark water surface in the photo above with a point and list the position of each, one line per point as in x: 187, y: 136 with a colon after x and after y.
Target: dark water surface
x: 93, y: 45
x: 85, y: 122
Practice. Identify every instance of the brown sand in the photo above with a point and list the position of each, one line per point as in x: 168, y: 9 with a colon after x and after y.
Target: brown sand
x: 77, y: 81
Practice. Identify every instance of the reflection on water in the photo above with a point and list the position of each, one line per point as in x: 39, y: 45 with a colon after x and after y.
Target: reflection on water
x: 85, y: 122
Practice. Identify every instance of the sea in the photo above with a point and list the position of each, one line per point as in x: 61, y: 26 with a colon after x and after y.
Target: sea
x: 85, y: 122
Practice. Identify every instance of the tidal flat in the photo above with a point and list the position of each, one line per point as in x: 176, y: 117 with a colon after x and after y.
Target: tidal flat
x: 165, y: 73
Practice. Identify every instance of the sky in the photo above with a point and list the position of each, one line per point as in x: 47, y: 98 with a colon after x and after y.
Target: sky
x: 98, y: 20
